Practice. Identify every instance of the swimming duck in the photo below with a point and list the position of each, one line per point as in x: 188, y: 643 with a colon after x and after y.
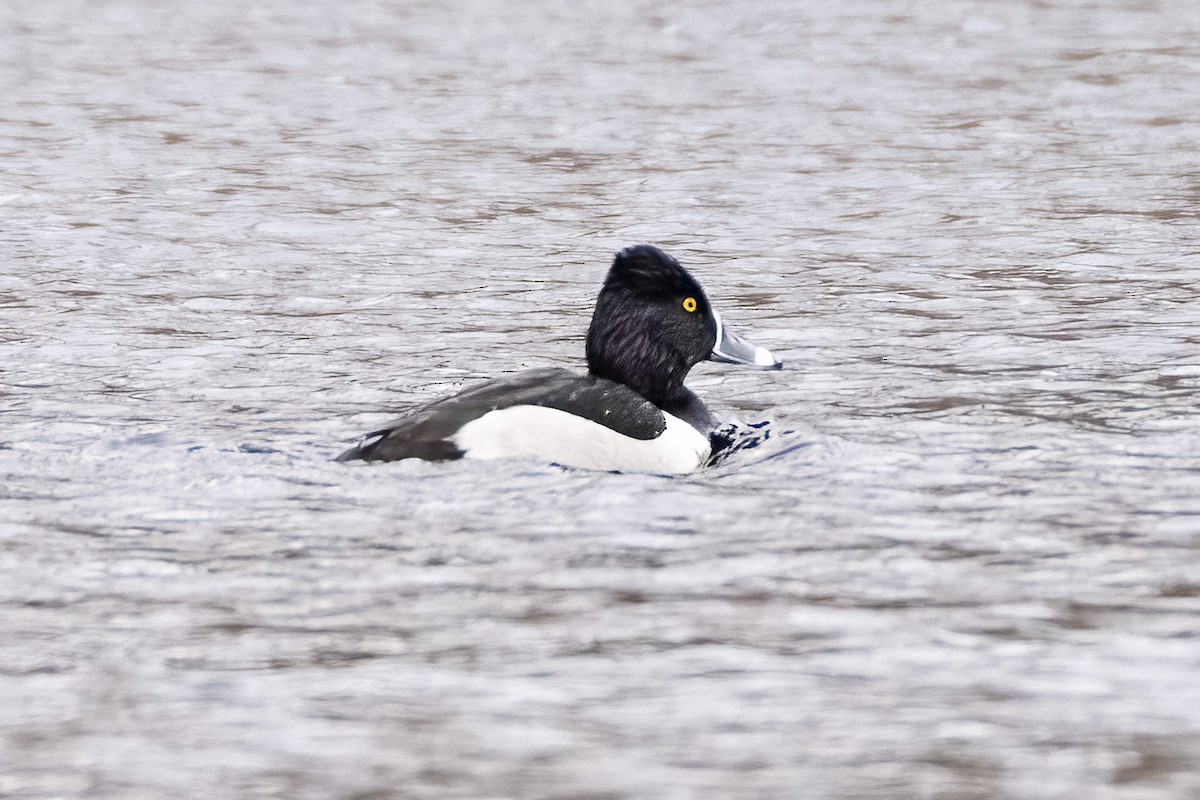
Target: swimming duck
x: 629, y: 413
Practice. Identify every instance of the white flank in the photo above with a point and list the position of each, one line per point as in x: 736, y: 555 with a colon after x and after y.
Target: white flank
x: 556, y: 436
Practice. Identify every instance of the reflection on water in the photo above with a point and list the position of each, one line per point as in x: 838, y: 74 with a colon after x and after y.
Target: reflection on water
x: 959, y: 561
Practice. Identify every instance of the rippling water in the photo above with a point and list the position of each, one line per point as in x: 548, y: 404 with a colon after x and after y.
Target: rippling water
x: 238, y: 235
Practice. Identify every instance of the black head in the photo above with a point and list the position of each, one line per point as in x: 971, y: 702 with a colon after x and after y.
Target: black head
x: 652, y: 324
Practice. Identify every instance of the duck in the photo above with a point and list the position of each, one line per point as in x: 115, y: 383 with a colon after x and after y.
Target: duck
x: 630, y: 412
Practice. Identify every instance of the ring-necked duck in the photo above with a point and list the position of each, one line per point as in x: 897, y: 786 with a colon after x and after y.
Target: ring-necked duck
x: 631, y: 412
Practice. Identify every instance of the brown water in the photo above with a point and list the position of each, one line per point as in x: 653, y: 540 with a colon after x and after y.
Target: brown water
x: 965, y: 564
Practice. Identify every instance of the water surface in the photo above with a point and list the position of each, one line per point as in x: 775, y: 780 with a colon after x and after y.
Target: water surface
x: 236, y: 236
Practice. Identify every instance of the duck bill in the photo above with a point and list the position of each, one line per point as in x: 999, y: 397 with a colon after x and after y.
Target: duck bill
x: 733, y: 349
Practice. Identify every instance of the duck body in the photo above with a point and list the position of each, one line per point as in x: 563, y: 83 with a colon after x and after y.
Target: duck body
x: 629, y: 413
x: 553, y: 415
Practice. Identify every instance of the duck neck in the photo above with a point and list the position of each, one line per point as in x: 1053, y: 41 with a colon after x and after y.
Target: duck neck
x: 658, y: 380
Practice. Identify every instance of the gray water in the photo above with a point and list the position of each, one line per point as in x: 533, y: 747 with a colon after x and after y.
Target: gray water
x: 237, y: 235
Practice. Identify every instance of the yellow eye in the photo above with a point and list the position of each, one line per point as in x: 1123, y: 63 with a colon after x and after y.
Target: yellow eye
x: 689, y: 304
